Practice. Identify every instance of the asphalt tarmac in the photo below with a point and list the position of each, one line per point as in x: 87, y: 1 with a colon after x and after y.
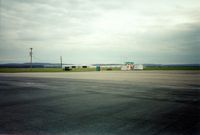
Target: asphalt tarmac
x: 101, y: 103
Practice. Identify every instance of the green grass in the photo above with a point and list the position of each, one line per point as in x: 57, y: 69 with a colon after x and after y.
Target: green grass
x: 16, y: 70
x: 172, y: 68
x: 82, y: 69
x: 113, y: 69
x: 93, y: 69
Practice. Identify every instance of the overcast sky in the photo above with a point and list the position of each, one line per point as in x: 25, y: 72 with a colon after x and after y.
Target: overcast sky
x: 100, y: 31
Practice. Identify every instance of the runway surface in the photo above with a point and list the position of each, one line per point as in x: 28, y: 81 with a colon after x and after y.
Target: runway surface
x: 101, y: 103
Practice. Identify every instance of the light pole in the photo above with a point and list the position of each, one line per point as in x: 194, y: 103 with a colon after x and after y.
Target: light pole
x: 31, y: 55
x: 61, y: 61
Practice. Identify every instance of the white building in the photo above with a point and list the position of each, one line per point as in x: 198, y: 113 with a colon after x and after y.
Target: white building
x: 128, y: 66
x: 124, y: 68
x: 138, y: 67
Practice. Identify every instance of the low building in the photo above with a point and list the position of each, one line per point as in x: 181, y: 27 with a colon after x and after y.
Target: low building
x: 138, y: 67
x: 124, y: 68
x: 128, y: 66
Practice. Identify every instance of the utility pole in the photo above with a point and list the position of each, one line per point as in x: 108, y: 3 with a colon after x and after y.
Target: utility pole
x: 31, y: 56
x: 61, y: 61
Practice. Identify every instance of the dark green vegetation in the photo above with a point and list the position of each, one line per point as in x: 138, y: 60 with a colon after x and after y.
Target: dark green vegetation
x: 172, y: 68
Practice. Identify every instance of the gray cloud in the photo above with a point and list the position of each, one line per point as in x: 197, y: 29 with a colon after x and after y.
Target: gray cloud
x: 93, y: 31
